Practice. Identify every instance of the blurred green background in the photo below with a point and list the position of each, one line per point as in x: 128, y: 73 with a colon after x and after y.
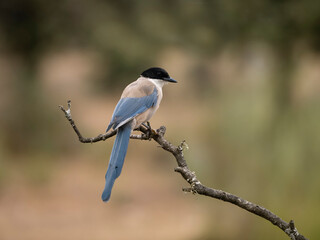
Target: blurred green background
x: 247, y: 103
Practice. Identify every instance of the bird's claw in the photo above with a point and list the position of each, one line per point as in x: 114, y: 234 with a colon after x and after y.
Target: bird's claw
x: 150, y: 132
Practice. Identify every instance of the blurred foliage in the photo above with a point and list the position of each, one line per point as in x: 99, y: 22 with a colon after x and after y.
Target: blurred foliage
x: 252, y: 127
x: 131, y: 34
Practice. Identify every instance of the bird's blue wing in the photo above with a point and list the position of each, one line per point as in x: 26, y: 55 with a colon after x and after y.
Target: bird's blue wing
x: 128, y: 108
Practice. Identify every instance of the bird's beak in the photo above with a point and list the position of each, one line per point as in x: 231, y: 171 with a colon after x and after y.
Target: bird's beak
x: 170, y: 80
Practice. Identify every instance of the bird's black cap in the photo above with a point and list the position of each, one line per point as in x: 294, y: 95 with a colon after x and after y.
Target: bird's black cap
x: 157, y: 73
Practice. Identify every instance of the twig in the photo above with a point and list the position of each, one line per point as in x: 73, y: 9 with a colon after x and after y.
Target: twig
x: 100, y: 137
x: 195, y: 186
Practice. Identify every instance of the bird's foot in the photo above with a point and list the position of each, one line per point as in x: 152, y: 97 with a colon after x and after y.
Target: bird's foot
x: 146, y: 125
x: 150, y: 132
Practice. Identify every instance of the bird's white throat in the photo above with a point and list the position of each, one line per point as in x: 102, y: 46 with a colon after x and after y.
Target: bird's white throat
x: 158, y: 82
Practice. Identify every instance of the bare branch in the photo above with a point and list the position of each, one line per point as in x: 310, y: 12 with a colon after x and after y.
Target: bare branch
x: 195, y: 186
x: 100, y: 137
x: 198, y: 188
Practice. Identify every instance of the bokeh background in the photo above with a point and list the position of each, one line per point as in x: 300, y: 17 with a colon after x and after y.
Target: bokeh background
x: 247, y: 103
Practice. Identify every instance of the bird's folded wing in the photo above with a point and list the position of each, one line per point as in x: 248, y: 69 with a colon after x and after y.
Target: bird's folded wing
x: 129, y: 107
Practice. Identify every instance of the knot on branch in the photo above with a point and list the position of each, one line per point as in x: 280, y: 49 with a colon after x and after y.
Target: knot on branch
x: 161, y: 131
x: 293, y: 232
x: 190, y: 177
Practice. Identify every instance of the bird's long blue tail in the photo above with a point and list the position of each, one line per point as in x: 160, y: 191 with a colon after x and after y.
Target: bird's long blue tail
x: 118, y: 154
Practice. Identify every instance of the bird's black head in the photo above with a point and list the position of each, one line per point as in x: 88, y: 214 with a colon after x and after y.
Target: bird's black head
x: 157, y: 73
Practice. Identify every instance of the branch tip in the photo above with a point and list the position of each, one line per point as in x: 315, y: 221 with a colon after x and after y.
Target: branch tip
x: 191, y: 190
x: 186, y: 189
x: 183, y: 145
x: 178, y: 169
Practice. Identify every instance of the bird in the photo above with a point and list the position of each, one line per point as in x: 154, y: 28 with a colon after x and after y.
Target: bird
x: 138, y: 103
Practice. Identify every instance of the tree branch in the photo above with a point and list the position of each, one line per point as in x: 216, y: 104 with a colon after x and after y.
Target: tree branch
x: 100, y: 137
x: 195, y: 186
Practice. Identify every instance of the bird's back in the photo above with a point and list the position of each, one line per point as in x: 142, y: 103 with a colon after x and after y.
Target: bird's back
x: 139, y: 88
